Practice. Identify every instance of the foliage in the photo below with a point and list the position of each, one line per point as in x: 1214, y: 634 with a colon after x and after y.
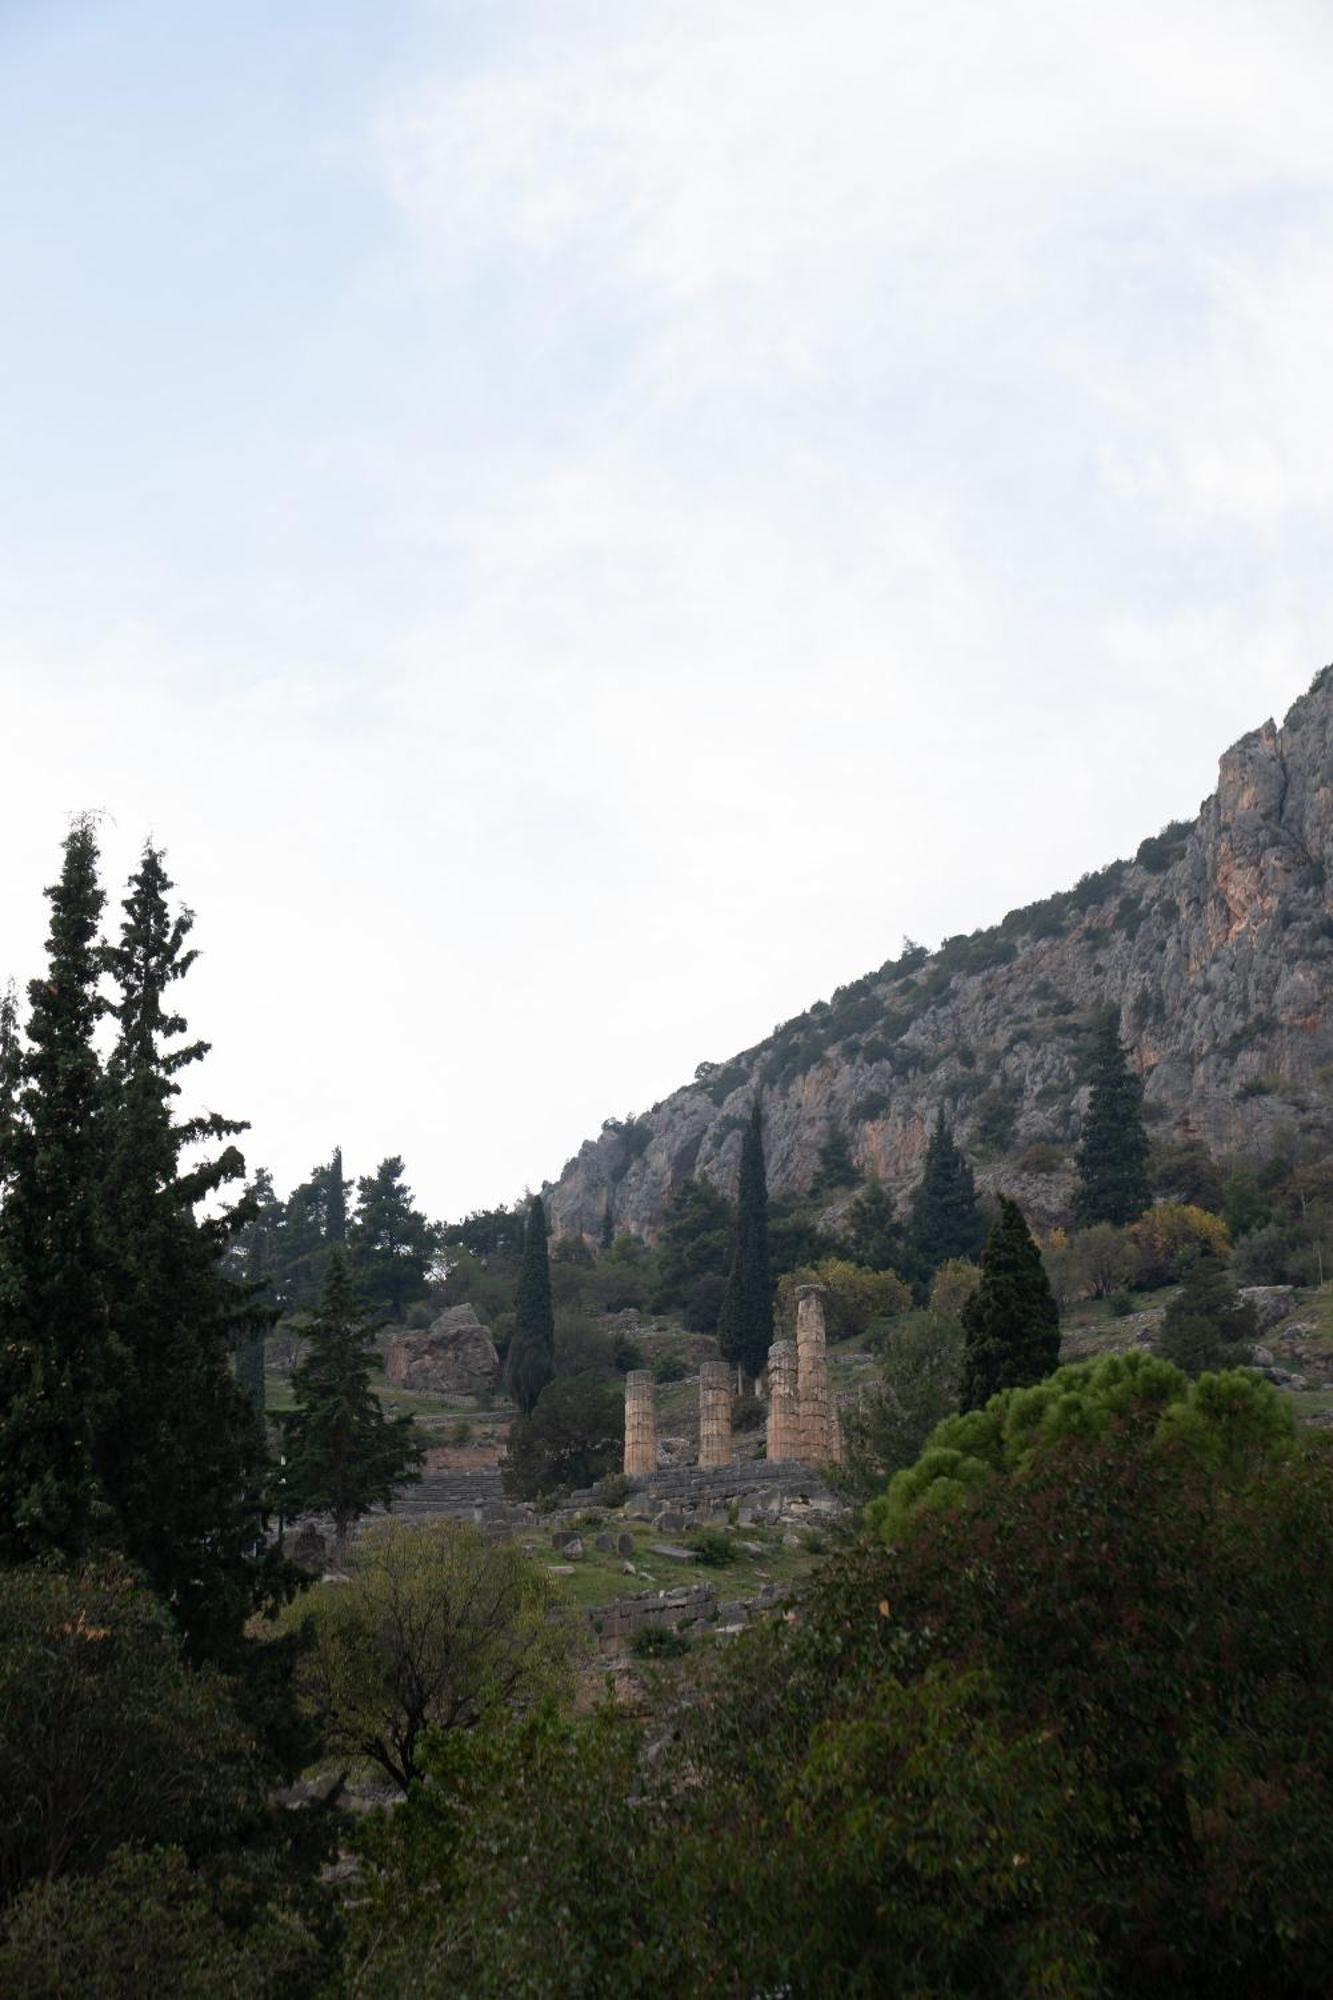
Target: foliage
x: 945, y: 1220
x: 344, y: 1456
x: 855, y: 1296
x: 1072, y: 1738
x: 745, y: 1320
x: 434, y: 1625
x: 837, y: 1169
x: 1218, y: 1417
x: 1168, y: 1239
x: 914, y: 1388
x: 530, y: 1362
x: 1112, y: 1158
x: 57, y: 1363
x: 152, y: 1923
x: 391, y: 1244
x: 179, y: 1453
x: 952, y: 1286
x: 712, y: 1548
x: 874, y: 1235
x: 1186, y: 1173
x: 1011, y: 1323
x: 1207, y: 1325
x: 659, y: 1642
x: 572, y: 1438
x: 695, y: 1244
x: 106, y: 1735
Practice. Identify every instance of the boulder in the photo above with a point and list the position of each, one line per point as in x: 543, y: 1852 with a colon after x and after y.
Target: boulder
x: 454, y: 1357
x: 1271, y: 1303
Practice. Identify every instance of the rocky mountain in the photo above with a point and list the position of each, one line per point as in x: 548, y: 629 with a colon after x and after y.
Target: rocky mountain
x: 1215, y: 941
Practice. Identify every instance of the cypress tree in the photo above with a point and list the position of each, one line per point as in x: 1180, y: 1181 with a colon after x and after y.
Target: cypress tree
x: 945, y: 1220
x: 745, y: 1323
x: 11, y: 1080
x: 335, y: 1204
x: 344, y: 1456
x: 390, y: 1243
x: 1112, y: 1161
x: 1011, y: 1323
x: 1208, y: 1325
x: 530, y: 1362
x: 56, y: 1356
x: 180, y: 1452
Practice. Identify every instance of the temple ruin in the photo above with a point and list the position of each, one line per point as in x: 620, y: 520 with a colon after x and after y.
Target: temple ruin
x: 803, y: 1425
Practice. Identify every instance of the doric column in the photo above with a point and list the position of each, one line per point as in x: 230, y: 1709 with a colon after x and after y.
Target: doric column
x: 714, y: 1414
x: 784, y: 1409
x: 640, y: 1425
x: 812, y: 1374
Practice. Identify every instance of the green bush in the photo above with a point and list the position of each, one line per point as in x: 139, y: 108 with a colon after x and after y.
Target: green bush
x: 670, y: 1368
x: 659, y: 1642
x: 714, y: 1549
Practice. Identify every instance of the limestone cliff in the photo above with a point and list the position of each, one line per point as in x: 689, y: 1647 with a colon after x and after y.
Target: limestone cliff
x: 1216, y: 942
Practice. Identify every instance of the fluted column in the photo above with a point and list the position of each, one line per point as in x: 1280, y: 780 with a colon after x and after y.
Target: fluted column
x: 812, y: 1374
x: 784, y: 1409
x: 714, y: 1414
x: 640, y: 1425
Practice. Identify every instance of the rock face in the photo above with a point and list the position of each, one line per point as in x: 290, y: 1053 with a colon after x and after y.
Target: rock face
x: 454, y: 1357
x: 1216, y: 942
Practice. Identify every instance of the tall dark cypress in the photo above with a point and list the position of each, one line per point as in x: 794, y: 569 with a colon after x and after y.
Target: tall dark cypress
x: 1112, y: 1161
x: 530, y: 1362
x: 57, y: 1358
x: 181, y: 1453
x: 745, y: 1323
x: 335, y: 1206
x: 1011, y: 1323
x: 11, y: 1080
x: 946, y: 1220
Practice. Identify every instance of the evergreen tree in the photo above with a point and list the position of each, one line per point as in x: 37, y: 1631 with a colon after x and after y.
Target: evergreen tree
x: 180, y: 1451
x: 57, y: 1362
x: 11, y: 1080
x: 945, y: 1220
x: 1113, y: 1184
x: 837, y: 1168
x: 344, y: 1456
x: 530, y: 1362
x: 391, y: 1244
x: 253, y: 1261
x: 745, y: 1323
x: 1011, y: 1323
x: 694, y: 1251
x: 1208, y: 1325
x: 874, y: 1234
x: 335, y: 1200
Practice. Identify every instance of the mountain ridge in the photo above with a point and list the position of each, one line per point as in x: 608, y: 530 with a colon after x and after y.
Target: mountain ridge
x: 1215, y: 940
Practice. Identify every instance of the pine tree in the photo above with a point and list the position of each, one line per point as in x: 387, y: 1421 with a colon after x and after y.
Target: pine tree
x: 1208, y: 1325
x: 875, y: 1236
x: 56, y: 1355
x: 530, y: 1362
x: 252, y: 1260
x: 344, y: 1456
x: 745, y: 1323
x: 180, y: 1451
x: 694, y: 1252
x: 945, y: 1220
x: 1113, y: 1184
x: 391, y: 1244
x: 1011, y: 1323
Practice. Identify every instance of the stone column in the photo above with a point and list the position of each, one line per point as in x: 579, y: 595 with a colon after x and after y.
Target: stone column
x: 812, y: 1374
x: 714, y: 1414
x: 837, y: 1443
x: 784, y: 1409
x: 640, y: 1425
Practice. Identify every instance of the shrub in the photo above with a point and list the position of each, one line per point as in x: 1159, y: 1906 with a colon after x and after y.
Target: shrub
x: 461, y: 1432
x: 747, y: 1414
x: 1042, y: 1157
x: 714, y: 1549
x: 1168, y: 1239
x: 952, y: 1286
x: 612, y: 1490
x: 573, y: 1437
x: 856, y: 1295
x: 659, y: 1642
x: 670, y: 1368
x: 433, y: 1626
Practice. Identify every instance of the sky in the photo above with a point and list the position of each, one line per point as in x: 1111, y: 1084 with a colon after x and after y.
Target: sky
x: 578, y: 526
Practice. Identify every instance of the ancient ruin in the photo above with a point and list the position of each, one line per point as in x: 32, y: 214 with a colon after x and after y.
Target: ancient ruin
x: 640, y: 1425
x: 714, y: 1414
x: 784, y: 1408
x: 803, y: 1425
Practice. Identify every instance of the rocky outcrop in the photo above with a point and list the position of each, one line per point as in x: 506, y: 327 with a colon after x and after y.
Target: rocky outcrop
x: 1216, y: 942
x: 454, y: 1357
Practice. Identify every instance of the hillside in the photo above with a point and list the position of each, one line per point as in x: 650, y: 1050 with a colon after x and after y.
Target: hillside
x: 1216, y: 941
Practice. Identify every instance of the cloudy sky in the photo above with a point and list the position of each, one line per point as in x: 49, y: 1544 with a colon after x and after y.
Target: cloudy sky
x: 578, y: 525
